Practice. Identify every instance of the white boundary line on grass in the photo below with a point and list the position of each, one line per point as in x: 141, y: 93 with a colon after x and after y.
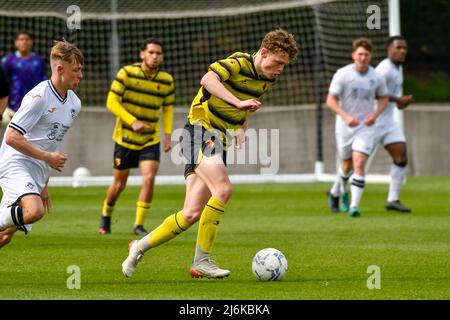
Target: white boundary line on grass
x: 237, y: 179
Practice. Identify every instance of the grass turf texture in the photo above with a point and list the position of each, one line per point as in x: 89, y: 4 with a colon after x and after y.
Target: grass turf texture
x: 328, y: 254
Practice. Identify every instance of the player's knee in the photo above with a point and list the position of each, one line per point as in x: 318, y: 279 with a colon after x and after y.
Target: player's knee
x: 401, y: 161
x: 225, y: 192
x: 33, y: 214
x: 148, y: 178
x: 119, y: 186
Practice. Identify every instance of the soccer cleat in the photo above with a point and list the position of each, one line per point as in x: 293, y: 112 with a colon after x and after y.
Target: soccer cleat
x: 139, y: 230
x: 344, y: 202
x: 131, y: 262
x: 207, y: 268
x: 105, y: 225
x: 397, y: 206
x: 354, y: 212
x: 333, y: 202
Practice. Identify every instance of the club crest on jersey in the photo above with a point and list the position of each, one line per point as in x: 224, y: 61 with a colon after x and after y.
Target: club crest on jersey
x: 29, y: 186
x: 53, y: 131
x: 72, y: 113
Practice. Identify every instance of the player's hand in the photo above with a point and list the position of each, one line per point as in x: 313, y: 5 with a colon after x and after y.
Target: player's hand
x: 56, y: 160
x: 139, y: 126
x: 404, y: 101
x: 166, y: 143
x: 351, y: 121
x: 239, y: 138
x: 369, y: 120
x: 45, y: 196
x: 251, y: 104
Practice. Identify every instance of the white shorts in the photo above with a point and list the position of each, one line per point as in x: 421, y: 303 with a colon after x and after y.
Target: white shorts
x: 354, y: 139
x: 15, y: 186
x: 388, y: 133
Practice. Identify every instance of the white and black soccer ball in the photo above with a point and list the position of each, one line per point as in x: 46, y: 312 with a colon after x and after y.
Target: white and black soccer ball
x: 79, y: 177
x: 269, y: 264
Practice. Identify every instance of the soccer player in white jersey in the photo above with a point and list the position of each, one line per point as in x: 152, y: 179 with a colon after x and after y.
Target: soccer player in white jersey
x: 388, y: 131
x: 351, y: 95
x: 29, y: 150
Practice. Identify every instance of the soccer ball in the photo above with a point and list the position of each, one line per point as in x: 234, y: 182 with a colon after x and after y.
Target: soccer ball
x: 79, y: 176
x: 269, y: 264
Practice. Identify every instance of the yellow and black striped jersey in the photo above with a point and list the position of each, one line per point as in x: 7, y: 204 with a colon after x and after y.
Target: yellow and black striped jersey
x: 238, y: 74
x: 133, y: 96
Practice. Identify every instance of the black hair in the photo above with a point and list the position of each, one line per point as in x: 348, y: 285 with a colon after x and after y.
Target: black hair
x: 29, y: 34
x: 150, y: 41
x: 392, y: 39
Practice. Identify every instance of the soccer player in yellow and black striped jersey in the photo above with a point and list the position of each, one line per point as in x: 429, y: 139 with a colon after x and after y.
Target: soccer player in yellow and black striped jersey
x: 140, y: 95
x: 230, y: 90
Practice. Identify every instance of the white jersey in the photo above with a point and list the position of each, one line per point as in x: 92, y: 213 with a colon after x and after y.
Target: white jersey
x: 43, y: 118
x: 356, y: 92
x: 393, y: 76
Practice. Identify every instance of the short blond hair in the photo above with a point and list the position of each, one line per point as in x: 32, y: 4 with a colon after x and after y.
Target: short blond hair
x: 67, y: 52
x: 280, y: 40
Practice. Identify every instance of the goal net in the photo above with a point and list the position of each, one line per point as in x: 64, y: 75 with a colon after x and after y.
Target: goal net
x: 198, y: 32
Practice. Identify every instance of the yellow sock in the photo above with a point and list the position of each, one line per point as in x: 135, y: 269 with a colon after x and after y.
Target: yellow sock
x: 107, y: 210
x: 209, y: 224
x: 169, y: 229
x: 142, y: 209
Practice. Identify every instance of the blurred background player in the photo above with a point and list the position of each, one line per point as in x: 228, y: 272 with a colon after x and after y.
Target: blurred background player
x: 230, y: 90
x: 138, y: 96
x: 30, y: 145
x: 4, y: 91
x: 25, y: 70
x: 387, y: 130
x: 351, y: 96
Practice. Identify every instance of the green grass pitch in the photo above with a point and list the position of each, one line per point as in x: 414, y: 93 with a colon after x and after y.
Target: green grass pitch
x: 328, y: 254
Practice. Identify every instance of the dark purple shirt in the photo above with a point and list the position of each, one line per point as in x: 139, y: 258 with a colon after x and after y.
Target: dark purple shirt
x: 23, y: 74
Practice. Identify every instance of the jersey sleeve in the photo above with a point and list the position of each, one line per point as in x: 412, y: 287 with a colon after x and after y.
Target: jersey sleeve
x: 114, y: 99
x: 225, y: 68
x: 381, y: 90
x: 29, y: 113
x: 337, y: 84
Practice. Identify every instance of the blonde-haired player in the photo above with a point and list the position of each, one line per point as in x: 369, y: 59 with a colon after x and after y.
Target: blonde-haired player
x: 29, y: 150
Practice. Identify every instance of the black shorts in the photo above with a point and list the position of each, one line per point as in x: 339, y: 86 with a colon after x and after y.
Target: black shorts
x: 125, y: 158
x: 196, y: 138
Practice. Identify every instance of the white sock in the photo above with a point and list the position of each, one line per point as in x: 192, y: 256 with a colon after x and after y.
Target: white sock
x: 397, y: 177
x: 335, y: 189
x: 357, y: 190
x: 344, y: 179
x: 6, y: 220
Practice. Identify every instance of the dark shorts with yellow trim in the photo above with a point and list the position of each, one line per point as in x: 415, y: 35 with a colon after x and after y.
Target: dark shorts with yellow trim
x: 125, y: 158
x: 197, y: 142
